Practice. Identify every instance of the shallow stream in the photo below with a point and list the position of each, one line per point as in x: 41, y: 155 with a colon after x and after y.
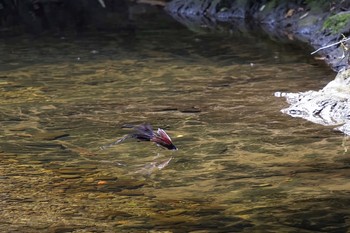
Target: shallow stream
x: 242, y: 166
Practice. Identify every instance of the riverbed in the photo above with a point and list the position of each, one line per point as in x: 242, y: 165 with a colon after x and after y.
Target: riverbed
x: 242, y: 166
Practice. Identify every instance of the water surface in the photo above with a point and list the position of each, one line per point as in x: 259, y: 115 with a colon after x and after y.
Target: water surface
x: 241, y: 166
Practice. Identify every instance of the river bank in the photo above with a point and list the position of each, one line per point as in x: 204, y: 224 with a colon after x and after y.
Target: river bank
x: 316, y: 23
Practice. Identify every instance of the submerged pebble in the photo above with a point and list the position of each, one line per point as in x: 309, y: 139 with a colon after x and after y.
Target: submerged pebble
x: 50, y: 135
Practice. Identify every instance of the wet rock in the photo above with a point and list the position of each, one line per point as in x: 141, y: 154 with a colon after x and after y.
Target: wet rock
x: 50, y: 135
x: 166, y: 220
x: 123, y: 187
x: 130, y: 193
x: 69, y: 171
x: 129, y: 184
x: 129, y: 223
x: 41, y: 146
x: 62, y: 229
x: 317, y: 220
x: 70, y: 176
x: 107, y: 178
x: 329, y: 106
x: 87, y: 166
x: 191, y: 110
x: 113, y: 214
x: 167, y: 109
x: 176, y: 212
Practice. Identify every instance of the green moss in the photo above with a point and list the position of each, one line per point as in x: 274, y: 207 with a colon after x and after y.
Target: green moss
x: 337, y: 22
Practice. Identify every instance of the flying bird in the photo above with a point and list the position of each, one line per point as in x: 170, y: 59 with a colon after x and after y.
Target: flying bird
x: 144, y: 132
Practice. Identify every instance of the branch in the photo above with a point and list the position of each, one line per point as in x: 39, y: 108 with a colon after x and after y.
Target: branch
x: 330, y: 45
x: 102, y: 3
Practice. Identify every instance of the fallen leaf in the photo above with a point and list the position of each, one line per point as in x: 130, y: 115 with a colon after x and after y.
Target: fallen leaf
x: 289, y: 13
x: 320, y: 58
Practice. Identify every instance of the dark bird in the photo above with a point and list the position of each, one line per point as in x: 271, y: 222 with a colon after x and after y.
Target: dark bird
x: 144, y: 132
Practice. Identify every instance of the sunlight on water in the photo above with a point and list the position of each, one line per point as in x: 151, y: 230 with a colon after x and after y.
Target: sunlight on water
x: 241, y: 165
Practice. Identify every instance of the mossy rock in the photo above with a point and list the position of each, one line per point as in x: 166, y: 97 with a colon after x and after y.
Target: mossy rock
x: 337, y: 23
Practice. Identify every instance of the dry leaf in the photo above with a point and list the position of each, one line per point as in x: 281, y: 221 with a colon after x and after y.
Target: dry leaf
x: 289, y: 13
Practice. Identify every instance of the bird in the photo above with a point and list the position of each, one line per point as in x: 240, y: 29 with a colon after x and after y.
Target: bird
x: 145, y: 132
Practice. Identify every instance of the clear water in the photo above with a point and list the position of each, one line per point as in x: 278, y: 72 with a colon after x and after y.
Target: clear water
x: 241, y: 166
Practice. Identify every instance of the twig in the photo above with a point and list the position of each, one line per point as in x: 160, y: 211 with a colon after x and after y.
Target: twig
x: 330, y: 45
x: 102, y: 3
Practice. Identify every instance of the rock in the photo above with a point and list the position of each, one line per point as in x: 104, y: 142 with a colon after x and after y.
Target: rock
x: 192, y: 109
x: 132, y: 192
x: 50, y: 135
x: 329, y: 106
x: 70, y: 176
